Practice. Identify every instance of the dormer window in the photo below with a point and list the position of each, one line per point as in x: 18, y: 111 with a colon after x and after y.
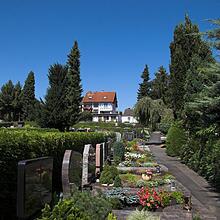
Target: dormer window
x: 105, y: 97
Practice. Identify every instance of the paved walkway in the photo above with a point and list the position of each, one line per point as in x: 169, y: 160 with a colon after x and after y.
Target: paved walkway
x: 197, y: 185
x: 155, y: 138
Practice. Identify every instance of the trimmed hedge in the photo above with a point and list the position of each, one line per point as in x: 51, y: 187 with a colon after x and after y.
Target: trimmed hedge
x: 16, y: 145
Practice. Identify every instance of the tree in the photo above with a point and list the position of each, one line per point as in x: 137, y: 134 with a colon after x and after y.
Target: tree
x: 187, y: 42
x: 148, y: 111
x: 6, y: 101
x: 28, y: 97
x: 160, y: 85
x: 85, y: 116
x: 73, y: 85
x: 144, y: 87
x: 54, y: 115
x: 17, y: 105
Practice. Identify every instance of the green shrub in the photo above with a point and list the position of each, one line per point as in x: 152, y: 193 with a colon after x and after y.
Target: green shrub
x: 115, y: 203
x: 111, y: 216
x: 142, y: 215
x: 141, y: 183
x: 130, y: 178
x: 176, y: 138
x: 119, y: 151
x: 117, y: 181
x: 21, y: 144
x: 81, y: 206
x: 178, y: 196
x: 108, y: 174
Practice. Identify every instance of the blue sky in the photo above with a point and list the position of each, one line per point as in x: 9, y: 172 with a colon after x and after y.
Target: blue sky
x: 116, y: 39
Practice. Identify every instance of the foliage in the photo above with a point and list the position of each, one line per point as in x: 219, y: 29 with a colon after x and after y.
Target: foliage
x: 185, y: 45
x: 119, y: 151
x: 202, y: 117
x: 85, y: 116
x: 160, y: 85
x: 124, y: 195
x: 144, y: 87
x: 117, y: 181
x: 108, y: 174
x: 149, y: 112
x: 196, y: 217
x: 21, y: 144
x: 166, y: 121
x: 178, y: 196
x: 28, y: 98
x: 111, y: 216
x: 130, y: 178
x: 150, y: 199
x: 142, y: 215
x: 73, y: 89
x: 53, y: 111
x: 116, y: 203
x: 81, y: 205
x: 10, y: 103
x: 176, y: 138
x: 141, y: 183
x: 165, y: 198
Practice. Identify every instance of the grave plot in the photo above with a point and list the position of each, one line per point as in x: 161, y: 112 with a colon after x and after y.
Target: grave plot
x: 137, y: 180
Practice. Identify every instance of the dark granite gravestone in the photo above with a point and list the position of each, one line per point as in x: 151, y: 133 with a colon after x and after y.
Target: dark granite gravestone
x: 71, y: 171
x: 34, y: 186
x: 89, y: 163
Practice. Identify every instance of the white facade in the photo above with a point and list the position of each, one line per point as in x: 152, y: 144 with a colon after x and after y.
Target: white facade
x: 99, y: 108
x: 102, y: 105
x: 129, y: 119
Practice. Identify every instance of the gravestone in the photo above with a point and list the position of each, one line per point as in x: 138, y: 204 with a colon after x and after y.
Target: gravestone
x: 118, y: 136
x: 34, y: 185
x: 71, y: 171
x: 99, y: 157
x: 89, y: 163
x: 128, y: 136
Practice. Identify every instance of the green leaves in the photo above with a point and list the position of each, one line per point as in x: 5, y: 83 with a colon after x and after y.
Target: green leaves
x: 21, y: 144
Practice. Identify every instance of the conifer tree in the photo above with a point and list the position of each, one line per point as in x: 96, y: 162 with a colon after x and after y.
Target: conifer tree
x: 54, y: 108
x: 17, y: 105
x: 28, y: 97
x: 73, y: 85
x: 144, y: 87
x: 6, y: 101
x: 187, y: 42
x: 160, y: 85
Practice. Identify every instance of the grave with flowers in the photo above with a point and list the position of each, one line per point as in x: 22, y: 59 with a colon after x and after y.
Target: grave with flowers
x: 138, y: 181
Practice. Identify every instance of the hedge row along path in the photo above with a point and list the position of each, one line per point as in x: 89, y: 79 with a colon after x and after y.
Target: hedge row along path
x: 197, y: 185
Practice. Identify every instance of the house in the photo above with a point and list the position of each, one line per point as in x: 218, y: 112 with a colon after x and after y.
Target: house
x: 102, y: 105
x: 128, y: 116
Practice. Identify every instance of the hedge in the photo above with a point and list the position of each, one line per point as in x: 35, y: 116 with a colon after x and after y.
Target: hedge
x: 16, y: 145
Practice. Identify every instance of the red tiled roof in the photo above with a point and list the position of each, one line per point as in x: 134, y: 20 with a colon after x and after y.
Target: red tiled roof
x: 99, y: 97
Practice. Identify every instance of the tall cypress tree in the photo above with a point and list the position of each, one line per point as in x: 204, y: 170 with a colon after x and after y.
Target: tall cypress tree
x: 73, y: 86
x: 144, y: 87
x: 186, y: 43
x: 28, y: 97
x: 160, y: 85
x: 54, y: 108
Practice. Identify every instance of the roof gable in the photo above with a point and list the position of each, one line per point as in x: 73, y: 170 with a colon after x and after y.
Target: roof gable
x: 91, y: 97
